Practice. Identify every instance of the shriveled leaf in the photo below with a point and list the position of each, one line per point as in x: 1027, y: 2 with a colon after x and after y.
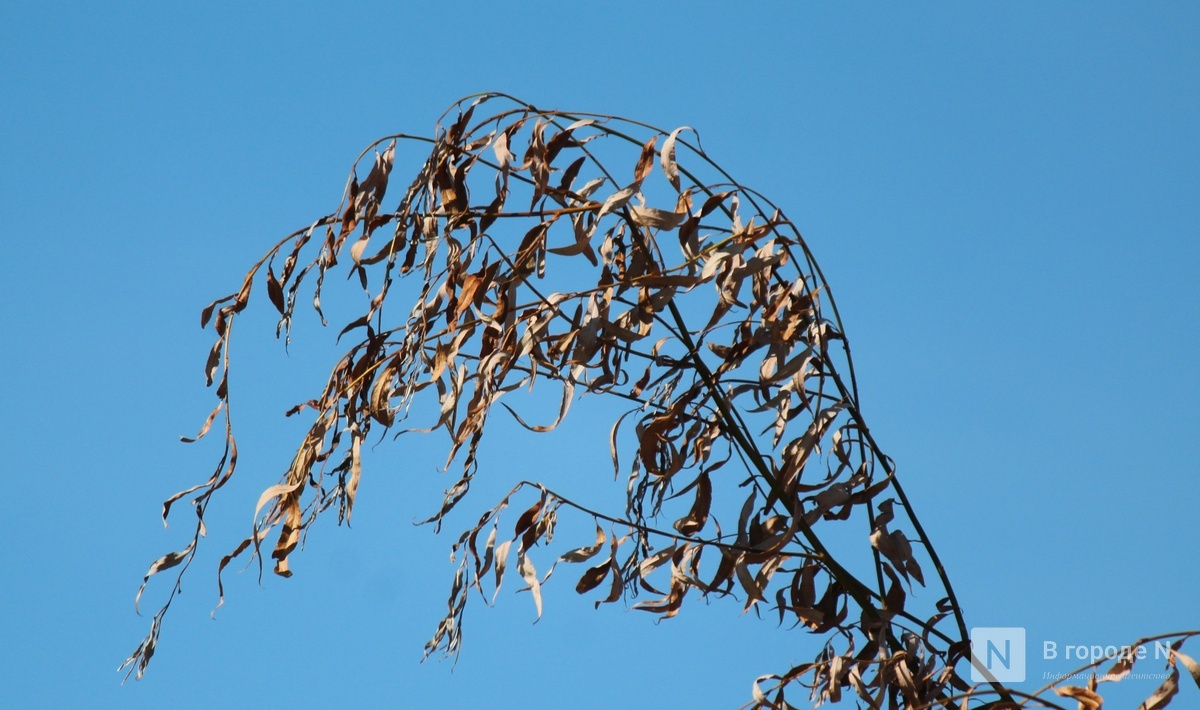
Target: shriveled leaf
x: 655, y: 561
x: 656, y: 218
x: 593, y: 577
x: 501, y: 564
x: 355, y: 472
x: 214, y: 359
x: 275, y: 292
x: 1190, y: 663
x: 529, y: 573
x: 1120, y: 669
x: 1088, y: 699
x: 1162, y: 697
x: 698, y: 515
x: 276, y: 491
x: 524, y: 527
x: 669, y: 166
x: 618, y: 199
x: 207, y: 424
x: 167, y: 561
x: 583, y: 554
x: 646, y: 161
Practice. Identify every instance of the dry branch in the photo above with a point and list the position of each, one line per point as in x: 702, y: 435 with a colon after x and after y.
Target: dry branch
x: 567, y: 250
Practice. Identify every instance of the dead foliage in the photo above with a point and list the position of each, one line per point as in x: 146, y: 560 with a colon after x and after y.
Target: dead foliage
x: 591, y: 254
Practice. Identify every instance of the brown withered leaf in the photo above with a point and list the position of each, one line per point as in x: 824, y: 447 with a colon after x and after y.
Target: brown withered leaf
x: 593, y: 577
x: 275, y: 291
x: 529, y: 573
x: 489, y: 551
x: 670, y: 604
x: 749, y: 582
x: 656, y: 218
x: 1088, y: 699
x: 645, y: 162
x: 616, y: 582
x: 214, y: 359
x: 525, y: 528
x: 618, y: 199
x: 583, y: 554
x: 357, y: 249
x: 1120, y: 669
x: 166, y: 562
x: 653, y: 562
x: 829, y: 498
x: 254, y: 539
x: 207, y: 424
x: 355, y: 471
x: 1162, y: 697
x: 894, y: 546
x: 278, y: 490
x: 1188, y: 662
x: 375, y: 184
x: 669, y: 167
x: 243, y: 296
x: 207, y: 312
x: 380, y: 396
x: 698, y: 515
x: 572, y: 172
x: 289, y: 535
x: 474, y: 286
x: 500, y: 146
x: 501, y: 564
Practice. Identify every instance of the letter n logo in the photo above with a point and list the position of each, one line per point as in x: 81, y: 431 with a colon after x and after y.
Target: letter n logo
x: 998, y: 654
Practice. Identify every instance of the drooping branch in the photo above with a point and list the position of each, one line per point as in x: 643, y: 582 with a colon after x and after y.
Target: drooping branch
x: 530, y: 251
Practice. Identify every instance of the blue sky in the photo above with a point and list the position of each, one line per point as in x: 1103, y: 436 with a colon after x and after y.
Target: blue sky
x: 1003, y: 197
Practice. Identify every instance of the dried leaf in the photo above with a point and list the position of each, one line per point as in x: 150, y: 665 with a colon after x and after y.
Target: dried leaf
x: 656, y: 218
x: 207, y: 424
x: 504, y: 156
x: 355, y: 471
x: 524, y: 526
x: 275, y: 291
x: 529, y: 573
x: 276, y: 491
x: 653, y: 562
x: 645, y: 162
x: 583, y: 554
x: 1165, y: 692
x: 593, y: 577
x: 501, y: 563
x: 1088, y: 699
x: 698, y: 515
x: 618, y: 199
x: 214, y: 359
x: 1189, y: 663
x: 669, y: 167
x: 167, y: 561
x: 356, y: 250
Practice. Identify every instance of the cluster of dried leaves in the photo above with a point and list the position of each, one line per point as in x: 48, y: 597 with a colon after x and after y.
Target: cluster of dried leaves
x: 669, y: 286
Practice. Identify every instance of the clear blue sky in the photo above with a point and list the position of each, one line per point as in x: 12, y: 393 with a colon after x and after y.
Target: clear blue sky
x: 1003, y: 196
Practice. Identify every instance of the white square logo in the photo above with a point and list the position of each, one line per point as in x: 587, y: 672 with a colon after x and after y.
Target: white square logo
x: 998, y: 654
